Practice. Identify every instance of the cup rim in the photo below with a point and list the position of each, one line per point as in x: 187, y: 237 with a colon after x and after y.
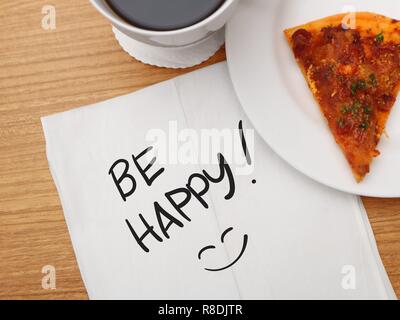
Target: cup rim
x: 125, y: 25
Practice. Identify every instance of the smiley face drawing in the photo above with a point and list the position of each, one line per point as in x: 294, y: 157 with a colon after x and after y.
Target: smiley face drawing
x: 211, y: 247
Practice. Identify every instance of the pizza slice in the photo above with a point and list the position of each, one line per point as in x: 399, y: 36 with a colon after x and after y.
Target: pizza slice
x: 354, y: 74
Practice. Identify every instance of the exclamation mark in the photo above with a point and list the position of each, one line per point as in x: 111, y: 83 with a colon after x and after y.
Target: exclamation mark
x: 244, y: 147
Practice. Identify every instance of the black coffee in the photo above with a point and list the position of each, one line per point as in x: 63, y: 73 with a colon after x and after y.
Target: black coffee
x: 164, y: 15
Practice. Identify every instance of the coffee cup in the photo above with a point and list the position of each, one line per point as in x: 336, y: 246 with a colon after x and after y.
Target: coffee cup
x: 179, y: 48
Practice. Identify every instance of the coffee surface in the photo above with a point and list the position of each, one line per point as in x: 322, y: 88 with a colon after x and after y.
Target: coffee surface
x: 164, y: 15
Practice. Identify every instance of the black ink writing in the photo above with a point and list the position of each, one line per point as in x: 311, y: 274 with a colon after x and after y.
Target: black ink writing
x: 123, y: 176
x: 165, y: 219
x: 127, y: 176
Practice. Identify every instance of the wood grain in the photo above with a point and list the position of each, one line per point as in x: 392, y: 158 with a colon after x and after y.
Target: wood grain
x: 43, y: 72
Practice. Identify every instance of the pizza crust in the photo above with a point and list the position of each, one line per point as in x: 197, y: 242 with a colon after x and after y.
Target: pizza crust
x: 366, y: 23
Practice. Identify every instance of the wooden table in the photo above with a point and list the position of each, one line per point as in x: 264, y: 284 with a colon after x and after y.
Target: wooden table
x: 48, y: 71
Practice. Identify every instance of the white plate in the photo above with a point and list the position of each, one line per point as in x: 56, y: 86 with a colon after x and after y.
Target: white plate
x: 280, y: 105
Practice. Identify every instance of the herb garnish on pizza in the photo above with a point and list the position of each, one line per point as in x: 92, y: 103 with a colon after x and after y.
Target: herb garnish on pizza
x: 354, y: 74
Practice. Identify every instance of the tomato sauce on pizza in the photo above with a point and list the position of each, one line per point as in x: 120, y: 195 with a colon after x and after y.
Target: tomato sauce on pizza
x: 354, y: 74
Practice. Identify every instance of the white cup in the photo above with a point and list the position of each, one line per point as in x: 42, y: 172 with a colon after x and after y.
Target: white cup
x: 177, y: 48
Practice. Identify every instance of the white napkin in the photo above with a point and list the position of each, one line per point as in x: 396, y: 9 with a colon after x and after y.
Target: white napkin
x: 304, y: 240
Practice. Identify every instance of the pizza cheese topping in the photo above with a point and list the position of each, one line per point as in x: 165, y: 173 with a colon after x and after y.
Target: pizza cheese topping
x: 355, y: 76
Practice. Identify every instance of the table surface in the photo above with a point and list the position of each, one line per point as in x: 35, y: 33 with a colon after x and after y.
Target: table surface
x: 47, y: 71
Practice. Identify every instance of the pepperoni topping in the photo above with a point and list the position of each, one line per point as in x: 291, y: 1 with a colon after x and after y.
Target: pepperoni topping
x: 355, y: 79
